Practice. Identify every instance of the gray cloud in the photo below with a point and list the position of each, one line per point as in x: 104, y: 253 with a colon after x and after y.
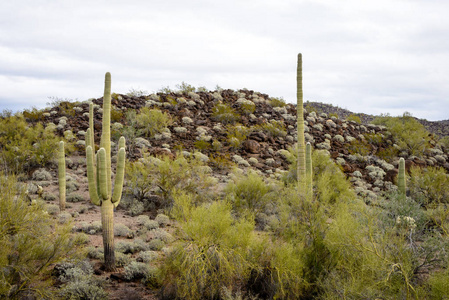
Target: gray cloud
x: 373, y: 57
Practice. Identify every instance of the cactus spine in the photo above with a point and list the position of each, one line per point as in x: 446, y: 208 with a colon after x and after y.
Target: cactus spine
x: 99, y: 174
x: 301, y: 165
x: 309, y: 174
x: 401, y: 177
x: 61, y: 176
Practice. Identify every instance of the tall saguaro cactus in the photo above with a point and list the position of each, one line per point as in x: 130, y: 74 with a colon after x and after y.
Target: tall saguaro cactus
x: 401, y: 177
x: 301, y: 165
x: 61, y: 176
x: 99, y: 175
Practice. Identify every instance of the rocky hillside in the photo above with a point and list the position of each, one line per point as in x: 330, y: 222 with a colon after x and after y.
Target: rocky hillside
x: 256, y: 132
x: 439, y: 128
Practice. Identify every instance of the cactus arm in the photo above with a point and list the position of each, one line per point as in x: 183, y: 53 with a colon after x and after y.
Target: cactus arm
x: 106, y: 126
x: 91, y: 177
x: 119, y: 177
x: 301, y: 164
x: 401, y: 177
x: 121, y: 142
x: 61, y: 176
x: 102, y: 174
x: 309, y: 174
x: 91, y: 126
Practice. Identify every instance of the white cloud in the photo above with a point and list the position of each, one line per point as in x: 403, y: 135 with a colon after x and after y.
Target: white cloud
x: 382, y: 56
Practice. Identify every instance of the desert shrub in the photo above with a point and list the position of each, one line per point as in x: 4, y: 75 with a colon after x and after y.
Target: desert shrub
x: 213, y: 254
x: 222, y: 112
x: 429, y: 186
x: 246, y: 106
x: 147, y: 256
x: 32, y: 241
x: 202, y: 145
x: 248, y: 192
x: 34, y: 114
x: 408, y: 133
x: 138, y: 270
x: 162, y: 220
x: 221, y: 161
x: 79, y: 283
x: 439, y: 289
x: 152, y: 121
x: 75, y: 198
x: 273, y: 128
x: 185, y: 88
x: 277, y: 102
x: 65, y: 106
x: 24, y: 147
x: 164, y: 176
x: 354, y: 118
x: 122, y: 230
x: 155, y: 245
x: 361, y: 147
x: 237, y: 134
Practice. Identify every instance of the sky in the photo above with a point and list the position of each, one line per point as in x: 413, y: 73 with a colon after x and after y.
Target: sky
x: 383, y: 56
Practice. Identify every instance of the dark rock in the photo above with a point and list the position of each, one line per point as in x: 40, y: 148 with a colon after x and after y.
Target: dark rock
x: 251, y: 146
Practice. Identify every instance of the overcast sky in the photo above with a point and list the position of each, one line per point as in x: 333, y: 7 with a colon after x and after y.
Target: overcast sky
x: 383, y: 56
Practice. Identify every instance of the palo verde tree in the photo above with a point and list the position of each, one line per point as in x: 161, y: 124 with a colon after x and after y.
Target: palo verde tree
x: 100, y: 175
x: 301, y: 166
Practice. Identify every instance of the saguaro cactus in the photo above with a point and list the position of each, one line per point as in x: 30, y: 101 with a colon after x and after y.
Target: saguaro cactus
x: 99, y: 175
x: 61, y: 176
x: 301, y: 165
x: 401, y: 177
x: 309, y: 173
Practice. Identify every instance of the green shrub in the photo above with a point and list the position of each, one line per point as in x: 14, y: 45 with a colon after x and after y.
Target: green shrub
x: 152, y: 121
x: 222, y: 112
x: 277, y: 102
x: 273, y: 128
x: 213, y: 256
x: 24, y: 147
x: 138, y: 270
x: 237, y: 134
x: 32, y: 241
x: 164, y: 176
x: 354, y: 118
x: 248, y: 192
x: 429, y: 186
x: 408, y: 133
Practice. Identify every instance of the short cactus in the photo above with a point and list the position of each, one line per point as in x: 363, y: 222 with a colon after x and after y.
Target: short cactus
x: 401, y: 177
x: 99, y: 175
x: 61, y: 176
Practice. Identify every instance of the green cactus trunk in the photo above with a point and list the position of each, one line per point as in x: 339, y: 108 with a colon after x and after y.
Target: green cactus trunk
x: 61, y: 176
x: 301, y: 164
x: 401, y: 178
x: 309, y: 173
x: 99, y: 175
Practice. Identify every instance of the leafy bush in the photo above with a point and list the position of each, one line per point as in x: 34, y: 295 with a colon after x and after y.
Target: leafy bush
x: 32, y: 241
x: 277, y: 102
x: 24, y: 147
x: 224, y: 113
x: 429, y: 186
x: 237, y: 134
x: 152, y: 121
x: 248, y: 192
x: 138, y: 270
x: 408, y: 133
x: 164, y: 176
x: 273, y: 128
x: 354, y: 118
x: 212, y: 256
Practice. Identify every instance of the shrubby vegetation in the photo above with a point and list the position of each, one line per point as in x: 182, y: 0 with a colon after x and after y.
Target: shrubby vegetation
x: 31, y: 243
x: 24, y: 147
x: 408, y: 133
